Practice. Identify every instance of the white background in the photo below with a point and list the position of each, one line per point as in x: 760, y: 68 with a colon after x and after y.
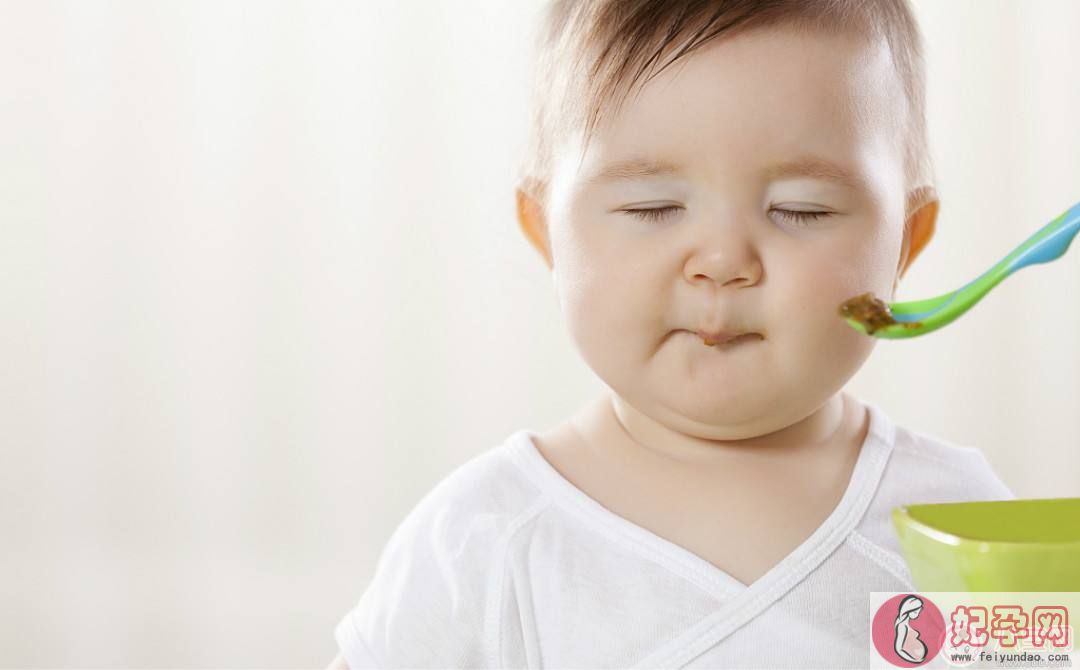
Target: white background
x: 261, y: 287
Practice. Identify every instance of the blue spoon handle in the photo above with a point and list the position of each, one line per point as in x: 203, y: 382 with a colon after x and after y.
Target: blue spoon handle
x: 1047, y: 244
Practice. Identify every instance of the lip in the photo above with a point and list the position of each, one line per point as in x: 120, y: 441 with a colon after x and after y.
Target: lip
x: 722, y: 337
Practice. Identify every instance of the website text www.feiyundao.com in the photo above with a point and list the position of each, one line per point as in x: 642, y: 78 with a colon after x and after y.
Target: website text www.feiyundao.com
x: 1009, y: 659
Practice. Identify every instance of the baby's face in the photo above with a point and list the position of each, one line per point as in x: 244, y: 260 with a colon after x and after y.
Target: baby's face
x: 743, y: 118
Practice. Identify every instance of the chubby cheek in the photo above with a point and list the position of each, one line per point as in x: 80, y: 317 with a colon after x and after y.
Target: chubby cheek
x: 841, y: 276
x: 831, y: 336
x: 608, y: 302
x: 863, y: 261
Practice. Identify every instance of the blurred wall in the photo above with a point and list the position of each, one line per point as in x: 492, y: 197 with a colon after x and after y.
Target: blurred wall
x: 262, y: 287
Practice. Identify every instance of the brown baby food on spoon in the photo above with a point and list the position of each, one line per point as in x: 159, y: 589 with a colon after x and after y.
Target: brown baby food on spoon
x: 872, y: 313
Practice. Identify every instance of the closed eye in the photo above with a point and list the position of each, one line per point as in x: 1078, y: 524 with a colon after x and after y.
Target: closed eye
x: 801, y: 217
x: 654, y: 214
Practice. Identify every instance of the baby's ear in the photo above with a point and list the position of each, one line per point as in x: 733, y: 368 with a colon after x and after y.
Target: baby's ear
x: 531, y: 219
x: 919, y: 226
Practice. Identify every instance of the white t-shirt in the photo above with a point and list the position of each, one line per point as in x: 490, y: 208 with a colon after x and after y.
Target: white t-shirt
x: 506, y: 564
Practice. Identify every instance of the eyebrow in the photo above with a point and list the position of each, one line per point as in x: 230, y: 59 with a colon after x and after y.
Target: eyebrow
x: 633, y: 168
x: 805, y: 166
x: 817, y: 168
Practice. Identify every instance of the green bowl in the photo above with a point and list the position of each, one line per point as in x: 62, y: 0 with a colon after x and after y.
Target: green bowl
x: 999, y: 545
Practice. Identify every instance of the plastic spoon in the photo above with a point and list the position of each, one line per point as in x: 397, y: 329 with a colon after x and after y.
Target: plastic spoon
x: 872, y: 316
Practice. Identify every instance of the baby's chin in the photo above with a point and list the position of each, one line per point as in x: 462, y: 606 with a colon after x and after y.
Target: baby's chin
x: 732, y: 414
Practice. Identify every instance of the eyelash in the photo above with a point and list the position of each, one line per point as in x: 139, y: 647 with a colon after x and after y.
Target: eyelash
x: 802, y: 218
x: 654, y: 214
x: 658, y: 213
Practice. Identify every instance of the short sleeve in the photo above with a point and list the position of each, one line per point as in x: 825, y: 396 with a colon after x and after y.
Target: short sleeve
x: 991, y: 486
x: 356, y: 653
x: 928, y: 469
x: 425, y: 604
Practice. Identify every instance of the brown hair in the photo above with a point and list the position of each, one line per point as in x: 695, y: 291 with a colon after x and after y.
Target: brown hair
x: 590, y: 52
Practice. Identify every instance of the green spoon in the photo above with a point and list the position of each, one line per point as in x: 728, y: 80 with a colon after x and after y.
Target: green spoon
x: 872, y: 316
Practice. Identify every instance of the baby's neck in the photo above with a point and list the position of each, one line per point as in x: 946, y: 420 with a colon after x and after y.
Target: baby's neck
x: 833, y: 430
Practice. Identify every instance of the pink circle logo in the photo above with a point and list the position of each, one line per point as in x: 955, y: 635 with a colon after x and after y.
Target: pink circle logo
x: 908, y: 630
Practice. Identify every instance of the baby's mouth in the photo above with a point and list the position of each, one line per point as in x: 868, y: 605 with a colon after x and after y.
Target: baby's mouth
x: 726, y: 339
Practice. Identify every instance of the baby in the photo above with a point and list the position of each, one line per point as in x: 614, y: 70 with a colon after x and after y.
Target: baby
x: 707, y: 181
